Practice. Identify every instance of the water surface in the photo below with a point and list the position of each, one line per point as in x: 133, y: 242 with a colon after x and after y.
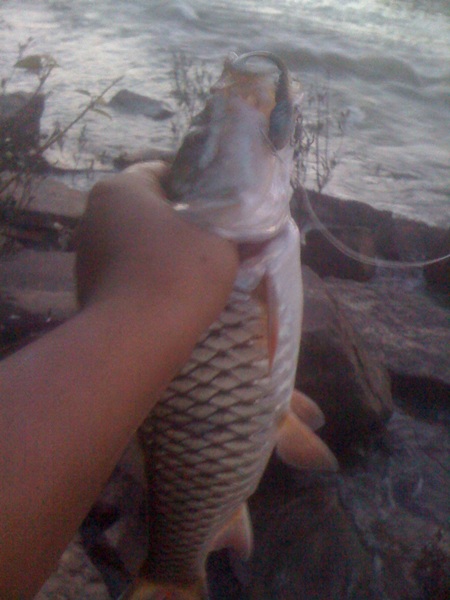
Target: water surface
x: 386, y: 62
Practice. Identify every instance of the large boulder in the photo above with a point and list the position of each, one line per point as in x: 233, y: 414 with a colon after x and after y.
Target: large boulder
x: 339, y: 372
x: 406, y: 328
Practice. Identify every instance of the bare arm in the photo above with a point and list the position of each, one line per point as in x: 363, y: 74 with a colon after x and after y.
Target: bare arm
x: 150, y: 284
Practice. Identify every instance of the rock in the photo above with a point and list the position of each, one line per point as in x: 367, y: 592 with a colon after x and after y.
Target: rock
x: 40, y: 283
x: 20, y: 117
x: 325, y: 259
x: 398, y: 499
x: 53, y: 196
x: 335, y: 211
x: 378, y: 530
x: 406, y: 240
x: 406, y: 328
x: 43, y: 230
x: 76, y: 577
x: 337, y: 370
x: 305, y: 543
x: 395, y: 238
x: 130, y: 102
x: 437, y: 276
x: 48, y: 195
x: 421, y: 397
x: 19, y: 326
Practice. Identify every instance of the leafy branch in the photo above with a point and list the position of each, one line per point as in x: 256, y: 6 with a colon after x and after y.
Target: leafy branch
x: 318, y: 138
x: 44, y: 65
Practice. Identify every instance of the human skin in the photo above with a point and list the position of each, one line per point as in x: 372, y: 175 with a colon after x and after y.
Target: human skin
x: 149, y: 284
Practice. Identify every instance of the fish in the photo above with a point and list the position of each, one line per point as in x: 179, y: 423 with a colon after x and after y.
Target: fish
x: 209, y: 438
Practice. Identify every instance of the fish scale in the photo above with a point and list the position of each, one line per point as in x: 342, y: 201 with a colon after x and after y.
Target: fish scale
x: 193, y: 445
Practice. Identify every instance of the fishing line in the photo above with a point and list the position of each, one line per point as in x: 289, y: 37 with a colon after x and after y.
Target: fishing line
x: 376, y: 262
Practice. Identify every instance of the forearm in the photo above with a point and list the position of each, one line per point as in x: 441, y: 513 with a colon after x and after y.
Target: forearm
x: 72, y: 400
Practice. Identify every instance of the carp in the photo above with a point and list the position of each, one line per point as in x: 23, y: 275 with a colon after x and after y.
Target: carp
x: 209, y: 438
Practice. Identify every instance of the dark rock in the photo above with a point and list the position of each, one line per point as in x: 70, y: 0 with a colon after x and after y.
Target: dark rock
x: 437, y: 276
x: 406, y: 240
x: 406, y: 328
x: 336, y: 369
x: 50, y: 196
x: 335, y: 211
x: 39, y: 283
x: 305, y: 544
x: 422, y: 397
x: 19, y: 327
x: 432, y: 569
x: 398, y: 499
x: 325, y: 259
x: 20, y: 116
x: 45, y: 231
x: 395, y: 238
x: 130, y: 102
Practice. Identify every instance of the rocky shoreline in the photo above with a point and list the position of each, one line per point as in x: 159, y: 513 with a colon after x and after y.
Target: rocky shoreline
x: 374, y: 356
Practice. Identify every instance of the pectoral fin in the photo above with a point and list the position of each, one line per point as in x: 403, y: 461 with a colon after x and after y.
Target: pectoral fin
x: 307, y: 410
x: 299, y: 447
x: 237, y: 534
x: 266, y: 296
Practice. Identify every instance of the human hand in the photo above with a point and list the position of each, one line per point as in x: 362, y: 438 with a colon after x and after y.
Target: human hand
x: 131, y: 239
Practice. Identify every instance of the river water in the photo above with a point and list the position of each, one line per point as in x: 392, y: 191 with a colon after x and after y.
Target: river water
x: 385, y: 62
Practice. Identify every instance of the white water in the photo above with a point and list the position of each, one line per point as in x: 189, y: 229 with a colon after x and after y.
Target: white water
x: 386, y: 61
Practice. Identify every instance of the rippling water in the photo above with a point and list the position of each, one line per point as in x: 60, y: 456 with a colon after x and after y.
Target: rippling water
x: 386, y: 61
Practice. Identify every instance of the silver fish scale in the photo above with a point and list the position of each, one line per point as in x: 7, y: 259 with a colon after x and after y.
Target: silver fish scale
x: 207, y: 439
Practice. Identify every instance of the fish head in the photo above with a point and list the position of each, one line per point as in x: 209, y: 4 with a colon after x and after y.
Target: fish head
x: 255, y: 88
x: 232, y: 172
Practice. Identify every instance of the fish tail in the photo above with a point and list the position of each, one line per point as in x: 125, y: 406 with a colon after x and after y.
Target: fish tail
x: 142, y: 589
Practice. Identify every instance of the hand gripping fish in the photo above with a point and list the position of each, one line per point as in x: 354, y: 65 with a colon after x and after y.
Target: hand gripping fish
x: 208, y: 440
